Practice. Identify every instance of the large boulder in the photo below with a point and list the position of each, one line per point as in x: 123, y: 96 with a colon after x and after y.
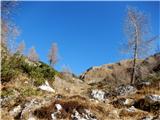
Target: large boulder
x: 124, y: 90
x: 98, y: 94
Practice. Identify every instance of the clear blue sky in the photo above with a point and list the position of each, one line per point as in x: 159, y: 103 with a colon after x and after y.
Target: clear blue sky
x: 87, y: 33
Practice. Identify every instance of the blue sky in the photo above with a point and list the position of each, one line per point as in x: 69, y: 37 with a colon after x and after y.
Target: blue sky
x: 87, y: 33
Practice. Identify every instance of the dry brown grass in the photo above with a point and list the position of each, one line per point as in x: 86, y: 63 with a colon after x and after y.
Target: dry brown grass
x: 133, y: 115
x: 149, y: 90
x: 4, y: 115
x: 69, y: 104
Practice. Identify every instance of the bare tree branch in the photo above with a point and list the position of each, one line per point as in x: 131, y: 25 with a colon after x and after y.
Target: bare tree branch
x: 21, y: 48
x: 136, y: 30
x: 33, y: 56
x: 53, y: 54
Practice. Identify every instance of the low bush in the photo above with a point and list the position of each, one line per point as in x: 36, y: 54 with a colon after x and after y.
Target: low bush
x: 29, y: 91
x: 47, y: 71
x: 38, y: 77
x: 6, y: 92
x: 15, y: 64
x: 9, y: 68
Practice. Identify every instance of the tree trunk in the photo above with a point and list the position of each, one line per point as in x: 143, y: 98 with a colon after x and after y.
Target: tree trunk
x: 133, y: 77
x: 134, y: 69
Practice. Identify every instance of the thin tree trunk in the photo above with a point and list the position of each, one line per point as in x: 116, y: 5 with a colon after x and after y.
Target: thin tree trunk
x: 135, y: 49
x: 134, y: 67
x: 133, y: 77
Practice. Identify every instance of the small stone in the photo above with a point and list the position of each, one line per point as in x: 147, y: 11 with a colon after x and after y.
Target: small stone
x: 129, y: 102
x: 16, y: 111
x: 58, y: 107
x: 53, y: 116
x: 131, y: 109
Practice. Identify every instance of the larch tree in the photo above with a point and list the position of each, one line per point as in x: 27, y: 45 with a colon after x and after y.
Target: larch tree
x: 9, y: 30
x: 52, y: 56
x: 20, y: 48
x: 66, y: 69
x: 33, y: 56
x: 139, y: 41
x: 66, y: 72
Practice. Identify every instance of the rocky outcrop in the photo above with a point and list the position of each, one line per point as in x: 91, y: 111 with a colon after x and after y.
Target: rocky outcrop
x: 125, y: 90
x: 98, y: 94
x: 150, y: 103
x: 85, y: 115
x: 46, y: 87
x: 152, y: 98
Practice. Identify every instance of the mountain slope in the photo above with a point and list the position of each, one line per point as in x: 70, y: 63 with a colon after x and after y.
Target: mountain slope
x: 35, y: 91
x: 120, y: 73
